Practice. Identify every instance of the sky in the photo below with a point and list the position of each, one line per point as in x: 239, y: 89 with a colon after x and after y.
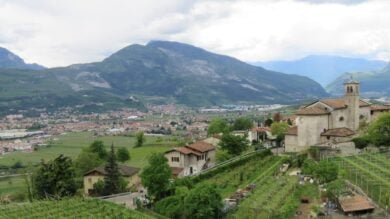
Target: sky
x: 60, y: 33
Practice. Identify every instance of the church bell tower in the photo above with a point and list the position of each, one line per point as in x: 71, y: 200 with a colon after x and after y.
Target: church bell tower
x: 352, y: 100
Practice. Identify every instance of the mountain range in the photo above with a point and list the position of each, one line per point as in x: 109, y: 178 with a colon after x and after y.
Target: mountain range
x: 323, y: 68
x: 10, y: 60
x: 158, y: 72
x: 373, y: 84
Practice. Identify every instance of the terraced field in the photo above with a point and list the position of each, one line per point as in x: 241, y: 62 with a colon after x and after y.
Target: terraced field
x: 69, y: 208
x: 231, y: 179
x: 371, y: 172
x: 270, y: 195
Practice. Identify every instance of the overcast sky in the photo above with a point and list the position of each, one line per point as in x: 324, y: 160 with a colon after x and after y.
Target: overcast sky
x: 58, y: 33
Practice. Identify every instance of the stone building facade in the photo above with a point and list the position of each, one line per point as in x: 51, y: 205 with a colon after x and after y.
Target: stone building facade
x: 330, y: 122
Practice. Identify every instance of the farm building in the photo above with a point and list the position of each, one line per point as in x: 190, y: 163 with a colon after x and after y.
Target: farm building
x: 353, y: 205
x: 93, y: 176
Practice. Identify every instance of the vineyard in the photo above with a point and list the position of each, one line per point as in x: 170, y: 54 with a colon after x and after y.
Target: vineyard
x: 269, y: 196
x: 69, y: 208
x: 229, y: 180
x: 371, y: 172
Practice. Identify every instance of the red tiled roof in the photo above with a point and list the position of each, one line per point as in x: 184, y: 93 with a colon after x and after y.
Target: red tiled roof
x: 261, y: 129
x: 201, y: 146
x: 335, y: 103
x: 185, y: 150
x: 338, y: 132
x: 123, y: 169
x: 312, y: 111
x: 363, y: 103
x: 355, y: 203
x: 292, y: 131
x: 379, y: 107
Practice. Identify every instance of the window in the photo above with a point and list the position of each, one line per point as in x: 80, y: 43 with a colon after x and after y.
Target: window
x: 341, y: 119
x: 361, y: 117
x: 175, y: 159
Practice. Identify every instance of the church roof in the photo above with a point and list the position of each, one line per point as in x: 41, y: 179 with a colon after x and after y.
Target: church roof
x: 339, y: 103
x: 312, y: 111
x: 338, y: 132
x: 380, y: 107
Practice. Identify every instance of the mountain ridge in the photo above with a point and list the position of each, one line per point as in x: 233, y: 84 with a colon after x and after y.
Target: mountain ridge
x: 323, y: 68
x: 163, y: 71
x: 11, y: 60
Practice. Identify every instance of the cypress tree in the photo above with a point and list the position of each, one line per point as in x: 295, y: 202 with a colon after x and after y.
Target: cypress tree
x: 112, y: 177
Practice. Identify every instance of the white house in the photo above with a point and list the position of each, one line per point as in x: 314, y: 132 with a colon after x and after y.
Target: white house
x: 191, y: 159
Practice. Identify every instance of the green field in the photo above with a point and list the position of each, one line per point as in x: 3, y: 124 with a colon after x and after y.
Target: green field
x: 11, y: 185
x: 71, y: 144
x: 69, y: 208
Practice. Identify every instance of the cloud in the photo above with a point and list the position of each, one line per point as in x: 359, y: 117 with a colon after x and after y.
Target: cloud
x: 57, y: 33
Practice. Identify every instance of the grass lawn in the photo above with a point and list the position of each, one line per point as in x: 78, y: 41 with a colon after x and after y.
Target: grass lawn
x: 71, y: 144
x: 11, y: 185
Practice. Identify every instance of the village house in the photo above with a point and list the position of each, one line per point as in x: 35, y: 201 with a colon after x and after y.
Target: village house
x: 191, y: 159
x: 93, y: 176
x: 331, y: 123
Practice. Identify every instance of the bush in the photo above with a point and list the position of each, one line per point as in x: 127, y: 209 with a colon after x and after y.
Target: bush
x: 361, y: 142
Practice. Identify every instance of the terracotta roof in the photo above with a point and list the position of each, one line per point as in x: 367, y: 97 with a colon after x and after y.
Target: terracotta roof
x: 312, y: 111
x: 355, y: 203
x: 201, y: 146
x: 379, y: 107
x: 363, y: 103
x: 338, y: 132
x: 261, y: 129
x: 185, y: 150
x: 340, y: 103
x: 335, y: 103
x: 292, y: 131
x: 123, y: 169
x: 176, y: 170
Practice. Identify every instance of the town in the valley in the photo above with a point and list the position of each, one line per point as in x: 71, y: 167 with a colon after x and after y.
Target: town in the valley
x: 207, y: 109
x: 215, y: 145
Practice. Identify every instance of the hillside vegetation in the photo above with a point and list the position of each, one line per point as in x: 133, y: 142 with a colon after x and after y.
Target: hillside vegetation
x: 170, y: 71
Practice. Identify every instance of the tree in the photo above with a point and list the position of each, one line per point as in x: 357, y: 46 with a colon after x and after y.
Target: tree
x: 55, y: 179
x: 277, y: 117
x: 139, y: 139
x: 123, y: 154
x: 222, y: 155
x: 203, y: 201
x: 98, y: 147
x: 379, y: 130
x: 327, y: 171
x: 217, y: 125
x: 112, y: 183
x: 279, y: 129
x: 268, y: 122
x: 86, y: 161
x: 235, y: 145
x: 242, y: 123
x: 155, y: 176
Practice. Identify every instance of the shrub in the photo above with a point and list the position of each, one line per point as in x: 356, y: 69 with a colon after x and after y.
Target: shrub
x: 361, y: 142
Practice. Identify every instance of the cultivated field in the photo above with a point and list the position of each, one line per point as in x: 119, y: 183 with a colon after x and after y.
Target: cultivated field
x: 69, y: 208
x: 371, y: 172
x: 71, y: 145
x: 229, y: 180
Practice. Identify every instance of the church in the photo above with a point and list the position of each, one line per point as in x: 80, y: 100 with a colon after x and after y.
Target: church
x: 331, y: 122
